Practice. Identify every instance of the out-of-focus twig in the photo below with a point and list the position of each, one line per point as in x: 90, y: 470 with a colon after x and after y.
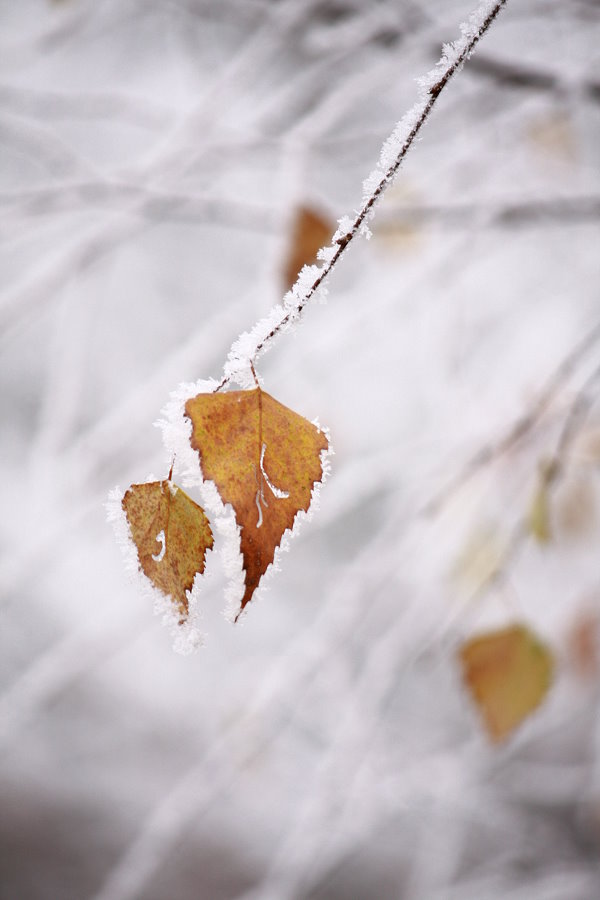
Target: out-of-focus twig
x: 552, y: 473
x: 393, y: 153
x: 521, y: 428
x: 543, y: 211
x: 527, y: 78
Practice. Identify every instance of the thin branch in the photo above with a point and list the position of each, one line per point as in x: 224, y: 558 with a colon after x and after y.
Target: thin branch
x: 578, y: 413
x: 311, y: 279
x: 53, y: 105
x: 546, y: 211
x: 164, y: 160
x: 161, y: 205
x: 521, y: 428
x: 151, y: 203
x: 552, y: 474
x: 526, y: 78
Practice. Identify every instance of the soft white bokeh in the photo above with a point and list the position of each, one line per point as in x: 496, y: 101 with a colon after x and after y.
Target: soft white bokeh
x: 151, y: 158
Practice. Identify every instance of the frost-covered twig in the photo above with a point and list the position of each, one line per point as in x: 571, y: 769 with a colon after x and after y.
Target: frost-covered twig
x: 311, y: 279
x: 578, y: 412
x: 519, y: 430
x: 51, y: 105
x: 551, y: 475
x: 165, y: 159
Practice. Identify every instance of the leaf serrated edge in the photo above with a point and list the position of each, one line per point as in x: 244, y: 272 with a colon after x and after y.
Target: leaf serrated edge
x: 186, y: 636
x: 302, y: 516
x: 177, y: 433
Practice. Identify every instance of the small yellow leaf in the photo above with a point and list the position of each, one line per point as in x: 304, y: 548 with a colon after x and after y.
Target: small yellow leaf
x: 310, y: 232
x: 171, y: 534
x: 508, y: 673
x: 264, y: 460
x: 538, y: 517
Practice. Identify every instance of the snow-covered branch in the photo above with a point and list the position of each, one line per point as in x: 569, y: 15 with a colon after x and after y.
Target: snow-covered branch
x: 311, y: 279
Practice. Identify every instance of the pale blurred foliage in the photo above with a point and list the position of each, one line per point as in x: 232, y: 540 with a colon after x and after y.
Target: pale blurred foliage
x: 152, y: 156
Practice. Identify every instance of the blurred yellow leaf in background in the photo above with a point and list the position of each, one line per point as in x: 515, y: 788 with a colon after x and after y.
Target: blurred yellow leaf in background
x: 508, y: 673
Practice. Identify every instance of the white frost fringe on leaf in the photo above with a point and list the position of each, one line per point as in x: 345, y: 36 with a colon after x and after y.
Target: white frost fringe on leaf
x: 187, y: 636
x: 239, y: 366
x: 177, y: 432
x: 234, y: 598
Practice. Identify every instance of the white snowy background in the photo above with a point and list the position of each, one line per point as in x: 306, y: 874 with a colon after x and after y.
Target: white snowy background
x: 152, y: 155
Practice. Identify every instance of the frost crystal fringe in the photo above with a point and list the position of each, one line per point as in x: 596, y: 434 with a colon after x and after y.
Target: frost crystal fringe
x: 234, y: 598
x: 239, y: 366
x: 187, y: 637
x: 177, y: 432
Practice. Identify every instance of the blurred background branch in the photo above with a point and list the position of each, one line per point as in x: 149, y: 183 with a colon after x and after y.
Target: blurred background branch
x: 153, y: 158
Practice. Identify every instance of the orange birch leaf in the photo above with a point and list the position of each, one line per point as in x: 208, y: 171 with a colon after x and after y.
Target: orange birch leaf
x: 508, y: 673
x: 171, y: 534
x: 264, y: 460
x: 310, y: 232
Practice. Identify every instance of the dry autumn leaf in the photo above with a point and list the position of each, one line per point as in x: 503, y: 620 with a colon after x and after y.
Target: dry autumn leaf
x: 310, y: 232
x: 508, y: 672
x: 171, y: 534
x: 264, y: 460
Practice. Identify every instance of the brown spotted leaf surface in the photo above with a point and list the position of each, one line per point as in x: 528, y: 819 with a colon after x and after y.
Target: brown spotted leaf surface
x: 171, y: 534
x: 508, y: 673
x: 264, y: 460
x: 310, y: 231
